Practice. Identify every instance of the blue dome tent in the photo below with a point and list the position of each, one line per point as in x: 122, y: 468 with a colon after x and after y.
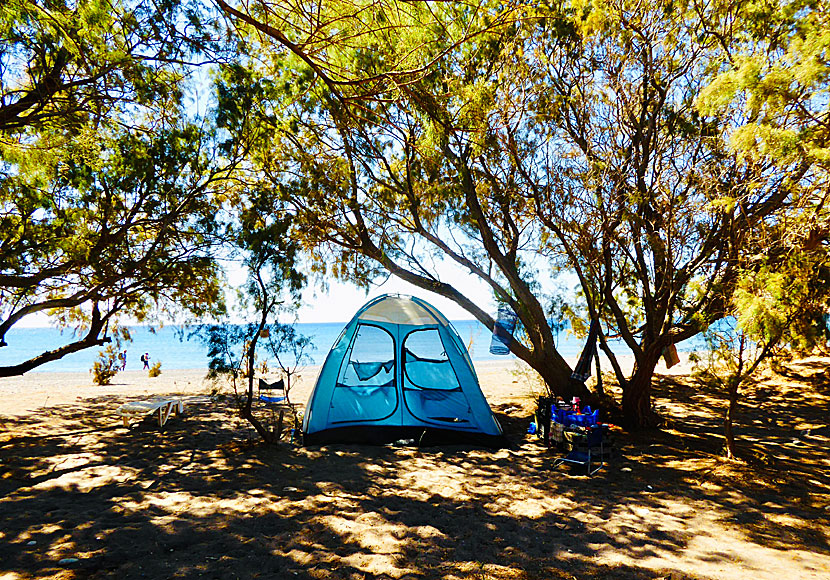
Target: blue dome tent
x: 399, y: 370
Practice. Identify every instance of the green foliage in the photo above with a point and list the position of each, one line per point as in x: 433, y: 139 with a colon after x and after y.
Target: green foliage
x: 109, y: 363
x: 289, y: 348
x: 654, y: 150
x: 130, y: 236
x: 106, y: 366
x: 72, y: 66
x: 776, y: 81
x: 777, y: 305
x: 781, y: 303
x: 107, y: 181
x: 509, y: 140
x: 230, y: 347
x: 224, y: 344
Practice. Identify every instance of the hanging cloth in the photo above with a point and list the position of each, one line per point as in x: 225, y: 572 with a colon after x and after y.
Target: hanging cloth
x: 503, y: 330
x: 670, y: 356
x: 367, y: 370
x: 582, y: 370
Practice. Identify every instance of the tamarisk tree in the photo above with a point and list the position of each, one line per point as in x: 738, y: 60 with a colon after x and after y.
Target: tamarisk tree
x: 107, y: 183
x: 516, y: 142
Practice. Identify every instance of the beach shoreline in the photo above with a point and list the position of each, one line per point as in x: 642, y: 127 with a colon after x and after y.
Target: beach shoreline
x: 25, y: 394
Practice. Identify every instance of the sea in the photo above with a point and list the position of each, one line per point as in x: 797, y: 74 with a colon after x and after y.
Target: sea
x: 171, y: 346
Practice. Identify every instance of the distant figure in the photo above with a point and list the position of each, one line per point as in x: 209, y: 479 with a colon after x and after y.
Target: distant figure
x: 123, y: 358
x: 145, y: 358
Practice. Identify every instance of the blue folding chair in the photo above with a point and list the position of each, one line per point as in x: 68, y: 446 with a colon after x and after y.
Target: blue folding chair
x: 588, y: 452
x: 271, y: 392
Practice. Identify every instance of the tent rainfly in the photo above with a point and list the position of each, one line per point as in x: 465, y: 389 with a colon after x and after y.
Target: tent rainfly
x: 399, y: 370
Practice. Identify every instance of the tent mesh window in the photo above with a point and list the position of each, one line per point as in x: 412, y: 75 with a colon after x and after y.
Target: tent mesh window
x: 365, y: 389
x: 431, y: 388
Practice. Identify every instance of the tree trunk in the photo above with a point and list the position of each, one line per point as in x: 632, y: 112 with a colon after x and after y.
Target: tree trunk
x: 248, y: 415
x: 97, y: 324
x: 599, y: 389
x: 729, y: 420
x: 557, y: 376
x: 734, y: 382
x: 636, y: 400
x: 246, y: 412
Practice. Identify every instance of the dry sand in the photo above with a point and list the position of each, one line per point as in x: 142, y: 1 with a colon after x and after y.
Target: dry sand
x: 25, y: 394
x: 204, y: 499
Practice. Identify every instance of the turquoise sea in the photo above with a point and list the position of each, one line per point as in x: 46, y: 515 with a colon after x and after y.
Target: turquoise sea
x: 170, y: 346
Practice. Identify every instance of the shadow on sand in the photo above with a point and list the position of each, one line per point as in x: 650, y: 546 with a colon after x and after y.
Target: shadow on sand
x: 202, y: 499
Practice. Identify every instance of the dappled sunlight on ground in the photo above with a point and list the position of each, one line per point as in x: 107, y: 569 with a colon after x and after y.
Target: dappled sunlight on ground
x: 201, y: 498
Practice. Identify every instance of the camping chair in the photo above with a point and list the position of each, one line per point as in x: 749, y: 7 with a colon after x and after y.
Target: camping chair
x: 271, y: 392
x: 587, y: 450
x: 274, y: 395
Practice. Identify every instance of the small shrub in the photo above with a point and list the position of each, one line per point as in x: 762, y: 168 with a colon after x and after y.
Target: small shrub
x: 155, y: 370
x: 106, y: 367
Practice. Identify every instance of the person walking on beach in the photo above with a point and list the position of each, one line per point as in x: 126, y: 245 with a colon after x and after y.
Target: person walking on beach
x: 145, y: 358
x: 123, y: 357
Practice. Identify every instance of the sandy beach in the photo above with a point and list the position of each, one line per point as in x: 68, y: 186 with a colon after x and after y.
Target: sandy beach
x: 25, y: 394
x: 83, y: 497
